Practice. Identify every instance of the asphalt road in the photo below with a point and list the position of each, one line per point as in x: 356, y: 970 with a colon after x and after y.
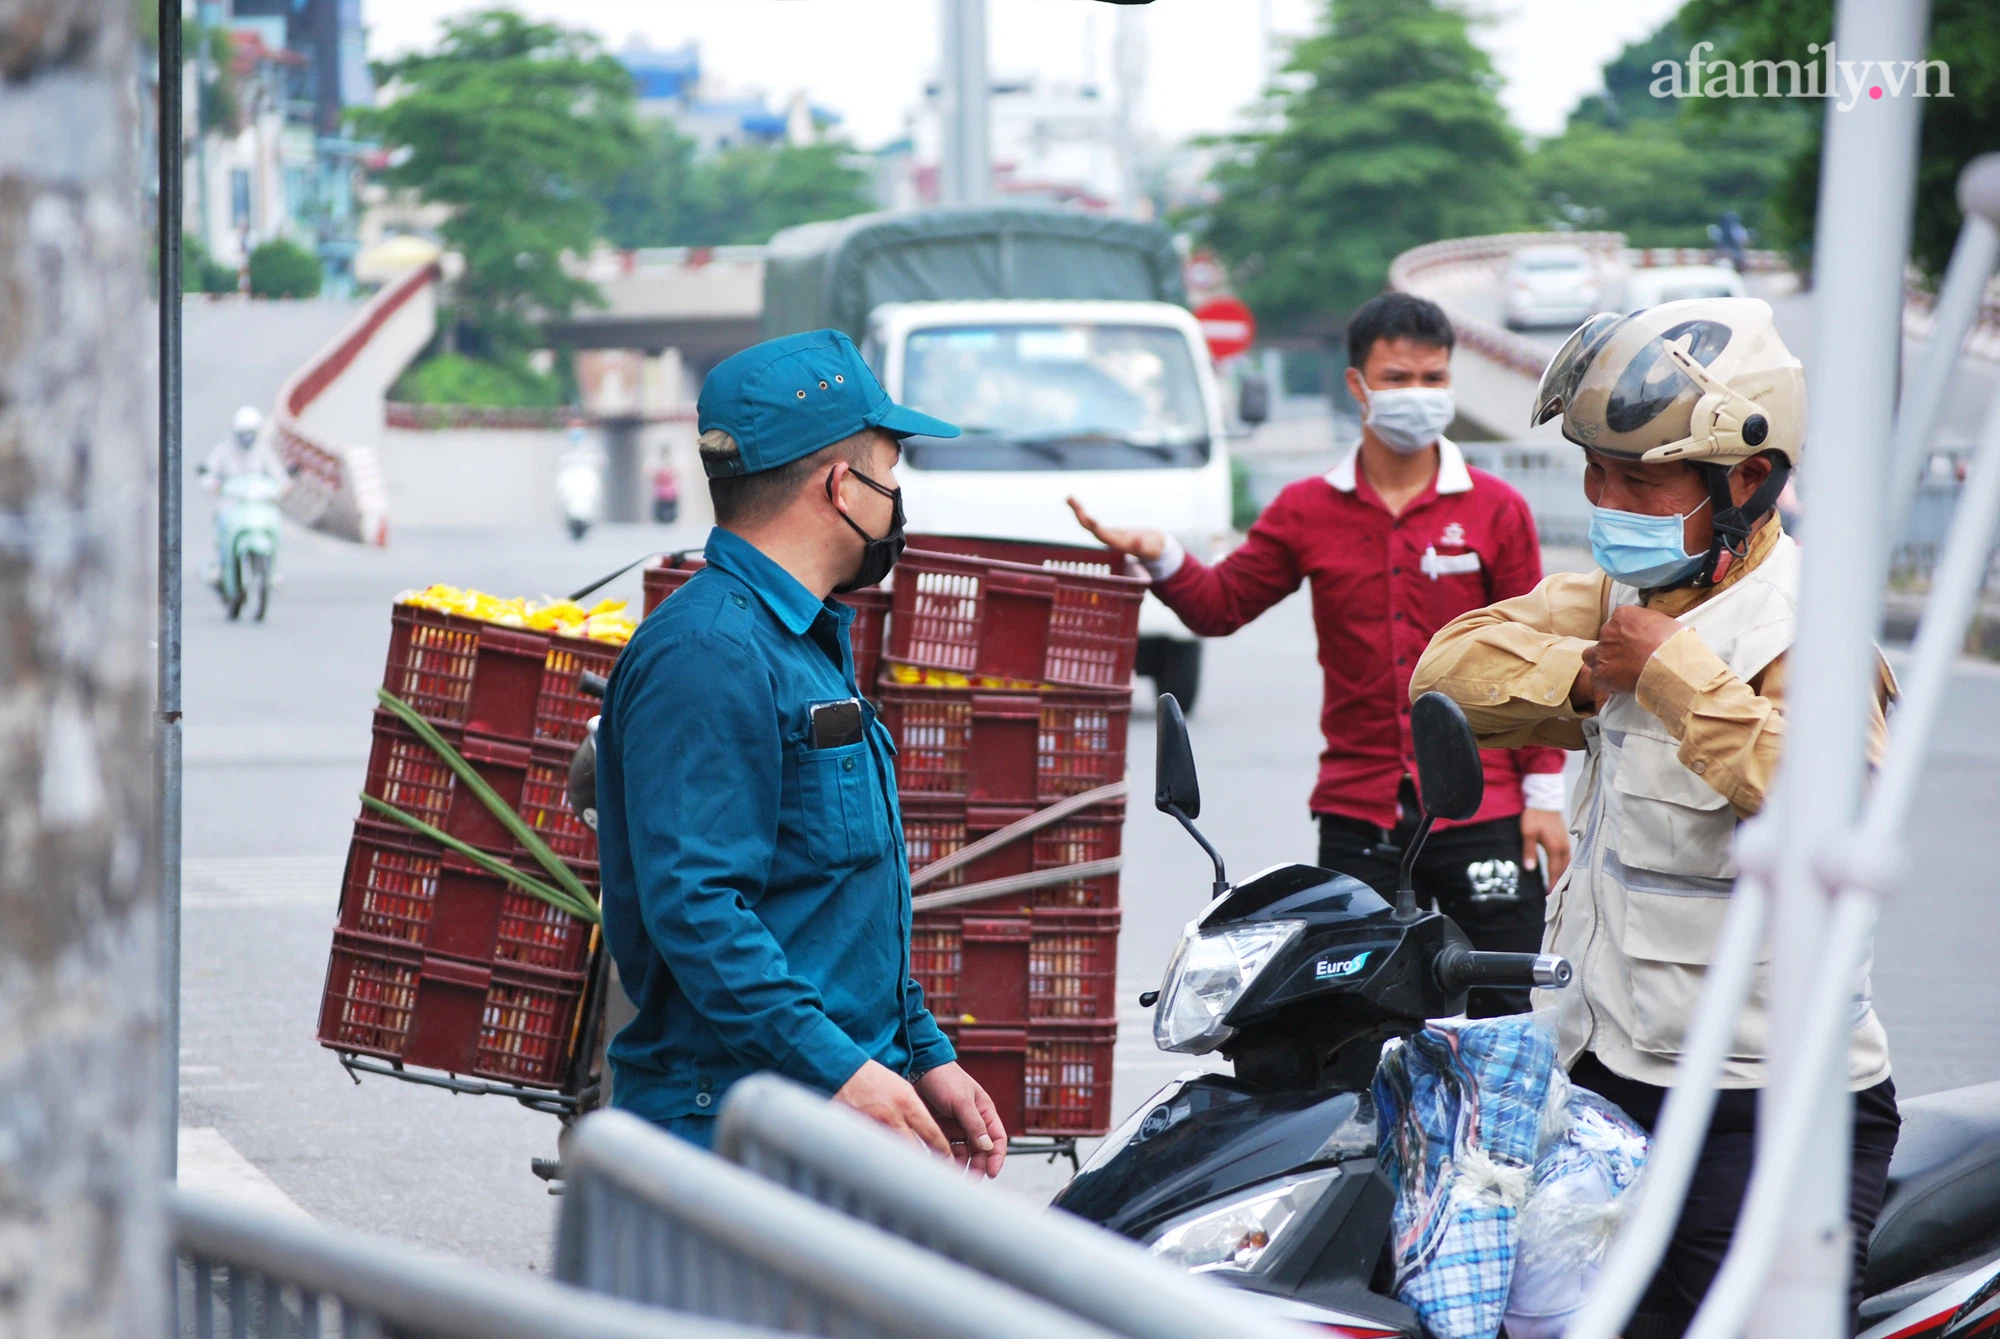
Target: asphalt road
x: 276, y: 744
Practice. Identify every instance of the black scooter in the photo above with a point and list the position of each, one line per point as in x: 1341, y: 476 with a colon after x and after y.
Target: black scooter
x: 1268, y: 1180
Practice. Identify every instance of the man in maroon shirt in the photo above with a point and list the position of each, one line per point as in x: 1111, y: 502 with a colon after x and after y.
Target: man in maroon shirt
x: 1397, y: 540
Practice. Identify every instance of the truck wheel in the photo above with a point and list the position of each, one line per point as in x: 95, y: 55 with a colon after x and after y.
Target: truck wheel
x: 1176, y: 669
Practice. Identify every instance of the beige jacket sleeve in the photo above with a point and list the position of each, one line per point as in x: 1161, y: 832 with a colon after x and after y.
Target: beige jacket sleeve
x: 1511, y: 664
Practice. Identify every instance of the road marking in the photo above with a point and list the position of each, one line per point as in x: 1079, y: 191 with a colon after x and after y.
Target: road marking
x: 211, y: 1165
x: 217, y: 883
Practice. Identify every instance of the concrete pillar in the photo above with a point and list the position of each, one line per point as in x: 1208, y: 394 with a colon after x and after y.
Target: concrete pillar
x: 626, y: 495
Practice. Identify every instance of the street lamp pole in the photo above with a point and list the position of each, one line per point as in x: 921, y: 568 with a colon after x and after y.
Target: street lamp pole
x: 168, y: 684
x: 968, y: 154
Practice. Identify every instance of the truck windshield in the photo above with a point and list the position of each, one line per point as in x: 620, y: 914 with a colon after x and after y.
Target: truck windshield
x: 1039, y: 397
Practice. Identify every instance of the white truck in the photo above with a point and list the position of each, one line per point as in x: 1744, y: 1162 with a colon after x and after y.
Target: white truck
x: 1060, y: 342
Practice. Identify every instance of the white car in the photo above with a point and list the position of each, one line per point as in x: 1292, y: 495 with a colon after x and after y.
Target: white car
x: 1552, y: 286
x: 1672, y: 283
x: 1115, y: 403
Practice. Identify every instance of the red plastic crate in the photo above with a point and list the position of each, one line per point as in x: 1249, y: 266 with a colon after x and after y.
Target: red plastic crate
x: 871, y: 610
x: 1067, y: 1079
x: 562, y: 709
x: 545, y: 806
x: 510, y: 682
x: 405, y: 772
x: 1045, y: 613
x: 662, y: 578
x: 497, y: 1021
x: 935, y: 826
x: 460, y: 671
x: 1006, y: 747
x: 1050, y: 963
x: 1050, y: 1078
x: 400, y: 885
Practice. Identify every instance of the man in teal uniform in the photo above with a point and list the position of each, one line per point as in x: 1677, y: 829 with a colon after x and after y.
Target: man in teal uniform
x: 756, y: 890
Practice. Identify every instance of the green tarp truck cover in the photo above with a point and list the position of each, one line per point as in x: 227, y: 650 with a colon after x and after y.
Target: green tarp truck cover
x: 835, y: 273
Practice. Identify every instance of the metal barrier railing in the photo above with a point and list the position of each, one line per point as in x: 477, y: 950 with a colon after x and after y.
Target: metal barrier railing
x: 799, y: 1140
x: 250, y: 1274
x: 652, y: 1219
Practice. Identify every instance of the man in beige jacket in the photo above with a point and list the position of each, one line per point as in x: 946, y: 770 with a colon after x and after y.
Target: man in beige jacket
x: 1667, y: 667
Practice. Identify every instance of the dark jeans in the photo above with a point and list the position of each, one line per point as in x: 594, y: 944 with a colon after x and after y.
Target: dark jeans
x: 1722, y: 1174
x: 1473, y: 873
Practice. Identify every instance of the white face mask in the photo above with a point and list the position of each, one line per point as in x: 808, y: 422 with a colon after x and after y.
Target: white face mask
x: 1409, y: 420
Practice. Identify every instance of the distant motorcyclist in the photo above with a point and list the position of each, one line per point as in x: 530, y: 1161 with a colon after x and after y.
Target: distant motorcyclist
x: 244, y: 451
x: 1732, y: 239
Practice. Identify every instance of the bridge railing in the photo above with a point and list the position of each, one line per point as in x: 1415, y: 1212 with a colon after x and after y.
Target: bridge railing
x: 651, y: 1219
x: 336, y: 485
x: 251, y: 1274
x: 796, y: 1138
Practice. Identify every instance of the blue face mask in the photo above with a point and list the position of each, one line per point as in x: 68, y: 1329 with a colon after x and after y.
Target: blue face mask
x: 1639, y: 550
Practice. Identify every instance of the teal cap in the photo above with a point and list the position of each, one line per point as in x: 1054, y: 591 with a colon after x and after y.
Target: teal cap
x: 786, y: 398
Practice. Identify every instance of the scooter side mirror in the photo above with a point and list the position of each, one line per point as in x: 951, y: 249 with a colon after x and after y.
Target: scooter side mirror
x: 1450, y: 780
x: 1450, y: 777
x: 1176, y: 790
x: 1175, y: 783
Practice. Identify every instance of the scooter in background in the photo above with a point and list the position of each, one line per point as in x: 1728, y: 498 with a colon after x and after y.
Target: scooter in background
x: 247, y: 543
x: 580, y: 484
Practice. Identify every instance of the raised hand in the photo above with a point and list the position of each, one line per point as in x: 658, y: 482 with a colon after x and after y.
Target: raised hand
x: 1145, y: 545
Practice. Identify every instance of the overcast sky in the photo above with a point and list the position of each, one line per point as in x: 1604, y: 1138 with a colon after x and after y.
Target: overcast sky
x: 867, y: 59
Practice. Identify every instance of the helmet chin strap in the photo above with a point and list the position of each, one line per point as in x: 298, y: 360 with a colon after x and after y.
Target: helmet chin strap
x: 1732, y: 523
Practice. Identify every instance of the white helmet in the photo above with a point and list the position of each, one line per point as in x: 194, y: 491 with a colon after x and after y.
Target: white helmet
x: 248, y: 422
x: 1707, y: 381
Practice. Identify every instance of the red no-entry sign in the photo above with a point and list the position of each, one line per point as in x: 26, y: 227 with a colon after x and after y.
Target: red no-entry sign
x: 1227, y: 325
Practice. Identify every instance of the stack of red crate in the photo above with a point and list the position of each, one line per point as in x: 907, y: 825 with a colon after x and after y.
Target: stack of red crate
x: 1008, y: 689
x: 436, y: 962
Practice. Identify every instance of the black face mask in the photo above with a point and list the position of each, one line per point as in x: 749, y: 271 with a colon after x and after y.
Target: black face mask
x: 877, y: 555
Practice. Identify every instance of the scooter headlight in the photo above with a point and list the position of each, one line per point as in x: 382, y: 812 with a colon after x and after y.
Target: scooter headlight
x: 1208, y: 974
x: 1241, y: 1237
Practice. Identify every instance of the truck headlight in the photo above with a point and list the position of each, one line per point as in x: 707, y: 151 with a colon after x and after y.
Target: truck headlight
x: 1241, y: 1237
x: 1208, y: 974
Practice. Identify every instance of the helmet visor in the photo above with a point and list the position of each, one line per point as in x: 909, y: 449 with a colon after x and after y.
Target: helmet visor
x: 1559, y: 378
x: 1622, y: 391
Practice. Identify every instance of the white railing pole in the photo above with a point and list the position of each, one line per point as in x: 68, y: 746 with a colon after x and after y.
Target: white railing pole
x: 1868, y: 175
x: 1960, y: 301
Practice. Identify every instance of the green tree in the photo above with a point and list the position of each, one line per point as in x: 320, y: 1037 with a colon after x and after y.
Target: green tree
x: 1955, y: 130
x: 1628, y: 81
x: 1662, y: 169
x: 281, y: 268
x: 455, y: 379
x: 516, y: 126
x: 1393, y: 136
x: 666, y: 196
x: 644, y: 203
x: 202, y: 272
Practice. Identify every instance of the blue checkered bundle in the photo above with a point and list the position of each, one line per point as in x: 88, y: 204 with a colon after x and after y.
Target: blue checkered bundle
x: 1460, y: 1114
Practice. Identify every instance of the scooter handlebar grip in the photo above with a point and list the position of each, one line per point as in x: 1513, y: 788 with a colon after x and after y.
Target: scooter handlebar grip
x: 1459, y: 968
x: 592, y: 685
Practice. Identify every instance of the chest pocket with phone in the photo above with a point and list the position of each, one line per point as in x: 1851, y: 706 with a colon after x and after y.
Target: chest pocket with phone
x: 844, y: 813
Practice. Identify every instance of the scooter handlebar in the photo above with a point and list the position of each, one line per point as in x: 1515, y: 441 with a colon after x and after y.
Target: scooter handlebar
x: 1459, y: 967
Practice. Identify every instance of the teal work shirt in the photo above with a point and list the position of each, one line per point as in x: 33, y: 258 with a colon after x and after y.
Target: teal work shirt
x: 756, y: 891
